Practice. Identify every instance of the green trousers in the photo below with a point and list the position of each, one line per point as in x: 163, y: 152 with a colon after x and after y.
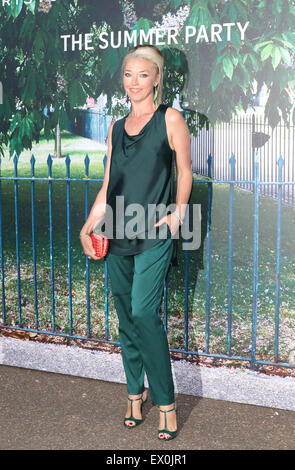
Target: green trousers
x: 137, y: 284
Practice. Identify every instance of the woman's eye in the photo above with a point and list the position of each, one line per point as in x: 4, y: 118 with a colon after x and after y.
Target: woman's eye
x: 142, y: 75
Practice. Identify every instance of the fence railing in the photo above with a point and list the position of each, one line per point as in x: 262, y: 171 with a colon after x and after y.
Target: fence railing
x: 245, y: 133
x: 90, y: 123
x: 84, y: 183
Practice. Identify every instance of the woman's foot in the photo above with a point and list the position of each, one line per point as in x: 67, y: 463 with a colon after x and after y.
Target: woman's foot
x: 136, y: 408
x: 170, y: 420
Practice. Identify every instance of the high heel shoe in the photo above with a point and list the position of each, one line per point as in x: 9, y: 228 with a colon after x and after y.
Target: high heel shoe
x: 131, y: 417
x: 165, y: 430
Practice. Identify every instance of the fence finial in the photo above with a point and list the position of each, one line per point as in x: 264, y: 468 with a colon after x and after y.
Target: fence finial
x: 280, y: 162
x: 256, y: 157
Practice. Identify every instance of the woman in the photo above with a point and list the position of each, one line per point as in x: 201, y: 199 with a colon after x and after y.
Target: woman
x: 139, y: 165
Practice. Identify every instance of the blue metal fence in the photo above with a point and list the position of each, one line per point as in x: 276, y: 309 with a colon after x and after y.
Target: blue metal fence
x: 232, y: 182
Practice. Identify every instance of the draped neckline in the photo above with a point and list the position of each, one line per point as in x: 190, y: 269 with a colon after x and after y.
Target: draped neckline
x: 143, y: 128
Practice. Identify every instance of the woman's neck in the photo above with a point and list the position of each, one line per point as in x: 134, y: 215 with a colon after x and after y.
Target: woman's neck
x: 141, y: 109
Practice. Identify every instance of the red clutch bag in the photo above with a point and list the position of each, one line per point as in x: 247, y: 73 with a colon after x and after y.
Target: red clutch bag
x: 100, y: 243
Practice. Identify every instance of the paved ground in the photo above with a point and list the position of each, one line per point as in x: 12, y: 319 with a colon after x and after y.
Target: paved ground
x: 45, y: 410
x: 220, y: 383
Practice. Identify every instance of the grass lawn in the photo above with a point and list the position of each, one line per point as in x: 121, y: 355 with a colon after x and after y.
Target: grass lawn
x: 243, y: 242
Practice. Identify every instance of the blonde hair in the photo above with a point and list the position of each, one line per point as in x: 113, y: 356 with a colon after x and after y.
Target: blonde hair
x: 152, y: 53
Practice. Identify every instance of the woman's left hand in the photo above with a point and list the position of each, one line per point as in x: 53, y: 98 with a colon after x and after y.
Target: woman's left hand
x: 172, y: 222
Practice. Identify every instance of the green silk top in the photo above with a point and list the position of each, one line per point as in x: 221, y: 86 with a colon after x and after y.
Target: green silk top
x: 141, y: 171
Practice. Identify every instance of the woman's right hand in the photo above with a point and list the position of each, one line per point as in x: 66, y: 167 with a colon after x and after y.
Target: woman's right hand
x: 86, y: 241
x: 87, y: 246
x: 98, y: 209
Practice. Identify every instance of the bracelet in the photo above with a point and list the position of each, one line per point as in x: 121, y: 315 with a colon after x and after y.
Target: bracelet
x: 81, y: 234
x: 180, y: 219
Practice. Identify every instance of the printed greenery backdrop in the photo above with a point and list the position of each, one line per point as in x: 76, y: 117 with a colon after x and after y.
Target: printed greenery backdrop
x: 36, y: 72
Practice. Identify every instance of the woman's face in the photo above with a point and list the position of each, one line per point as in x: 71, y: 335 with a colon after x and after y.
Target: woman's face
x: 139, y: 78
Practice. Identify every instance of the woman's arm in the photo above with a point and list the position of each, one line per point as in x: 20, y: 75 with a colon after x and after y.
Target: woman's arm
x: 179, y: 140
x: 179, y: 134
x: 98, y: 209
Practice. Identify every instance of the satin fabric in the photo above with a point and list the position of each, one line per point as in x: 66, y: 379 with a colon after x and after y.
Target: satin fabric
x: 137, y: 283
x: 141, y: 169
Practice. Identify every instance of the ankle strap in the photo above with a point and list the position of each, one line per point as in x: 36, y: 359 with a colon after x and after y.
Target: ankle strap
x: 133, y: 399
x: 167, y: 411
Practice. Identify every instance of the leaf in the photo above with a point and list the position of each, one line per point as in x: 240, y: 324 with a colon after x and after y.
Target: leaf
x: 142, y: 23
x: 266, y: 52
x: 287, y: 43
x: 15, y: 121
x: 283, y: 79
x: 233, y: 13
x: 16, y: 8
x: 31, y: 6
x: 277, y: 7
x: 27, y: 27
x: 39, y: 45
x: 285, y: 55
x: 216, y: 77
x: 260, y: 44
x: 15, y: 143
x: 254, y: 61
x: 30, y: 88
x: 175, y: 3
x: 33, y: 335
x: 276, y: 57
x: 194, y: 15
x: 228, y: 67
x: 242, y: 11
x: 77, y: 95
x: 109, y: 61
x: 236, y: 39
x: 235, y: 60
x: 273, y: 117
x: 47, y: 128
x: 63, y: 118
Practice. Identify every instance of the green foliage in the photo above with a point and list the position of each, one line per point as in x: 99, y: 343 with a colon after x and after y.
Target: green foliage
x: 36, y: 72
